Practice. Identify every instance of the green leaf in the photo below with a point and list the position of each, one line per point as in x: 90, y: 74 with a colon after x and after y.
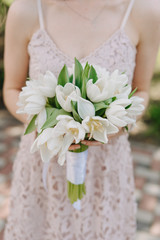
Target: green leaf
x: 71, y: 79
x: 93, y: 74
x: 128, y: 106
x: 126, y: 127
x: 84, y: 82
x: 74, y: 111
x: 81, y: 149
x: 31, y: 126
x: 101, y: 112
x: 51, y: 121
x: 131, y: 94
x: 51, y: 101
x: 100, y: 105
x: 86, y: 69
x: 49, y: 111
x: 78, y: 73
x: 63, y: 77
x: 110, y: 100
x: 57, y: 103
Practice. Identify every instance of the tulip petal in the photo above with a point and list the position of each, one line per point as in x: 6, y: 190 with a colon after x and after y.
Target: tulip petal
x: 85, y: 108
x: 112, y: 129
x: 64, y: 117
x: 100, y: 136
x: 45, y: 153
x: 34, y: 147
x: 116, y: 121
x: 67, y: 141
x: 41, y: 118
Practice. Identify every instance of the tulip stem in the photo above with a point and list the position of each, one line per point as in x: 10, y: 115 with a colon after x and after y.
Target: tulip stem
x: 75, y: 192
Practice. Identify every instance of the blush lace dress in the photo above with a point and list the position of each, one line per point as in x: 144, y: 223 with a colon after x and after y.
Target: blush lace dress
x: 109, y: 207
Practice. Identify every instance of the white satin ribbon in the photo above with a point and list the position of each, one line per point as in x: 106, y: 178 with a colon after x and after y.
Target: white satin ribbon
x: 77, y: 205
x: 76, y: 166
x: 44, y: 174
x: 76, y: 170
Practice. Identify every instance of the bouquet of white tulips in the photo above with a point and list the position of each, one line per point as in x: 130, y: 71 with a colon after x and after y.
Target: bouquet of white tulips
x: 85, y: 102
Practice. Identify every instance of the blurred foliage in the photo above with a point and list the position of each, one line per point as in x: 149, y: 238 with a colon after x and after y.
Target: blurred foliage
x: 4, y: 5
x: 153, y: 115
x: 152, y: 119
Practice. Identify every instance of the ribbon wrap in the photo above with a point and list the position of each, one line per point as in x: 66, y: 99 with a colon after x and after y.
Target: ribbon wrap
x: 76, y: 166
x: 44, y: 174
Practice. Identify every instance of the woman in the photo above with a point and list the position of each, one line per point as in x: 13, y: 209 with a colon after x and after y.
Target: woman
x: 46, y: 34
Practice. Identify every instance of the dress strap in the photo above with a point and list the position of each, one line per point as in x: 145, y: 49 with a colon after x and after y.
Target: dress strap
x: 126, y: 16
x: 40, y: 14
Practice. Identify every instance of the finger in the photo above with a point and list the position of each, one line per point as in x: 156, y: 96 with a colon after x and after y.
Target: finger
x: 73, y: 147
x: 91, y: 143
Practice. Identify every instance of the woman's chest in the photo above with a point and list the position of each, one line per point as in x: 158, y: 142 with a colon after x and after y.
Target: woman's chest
x: 115, y: 53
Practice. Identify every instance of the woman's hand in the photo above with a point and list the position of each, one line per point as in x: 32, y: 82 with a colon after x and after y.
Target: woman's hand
x: 97, y: 143
x: 94, y: 142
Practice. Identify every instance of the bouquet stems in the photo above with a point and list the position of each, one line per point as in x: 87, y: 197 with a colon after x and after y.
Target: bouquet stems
x: 75, y: 192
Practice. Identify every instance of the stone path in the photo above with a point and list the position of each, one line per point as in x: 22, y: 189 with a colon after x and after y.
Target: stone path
x: 146, y: 169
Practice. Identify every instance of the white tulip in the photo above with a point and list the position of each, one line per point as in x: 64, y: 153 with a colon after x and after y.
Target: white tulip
x: 75, y: 128
x: 30, y: 101
x: 41, y: 143
x: 53, y: 141
x: 136, y: 107
x: 101, y: 72
x: 33, y: 97
x: 117, y: 114
x: 40, y: 120
x: 85, y: 108
x: 114, y: 85
x: 63, y: 95
x: 47, y: 84
x: 97, y: 91
x: 118, y: 85
x: 73, y: 131
x: 98, y: 128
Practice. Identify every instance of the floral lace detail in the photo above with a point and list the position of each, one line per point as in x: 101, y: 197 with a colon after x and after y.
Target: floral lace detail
x: 109, y: 207
x: 117, y: 52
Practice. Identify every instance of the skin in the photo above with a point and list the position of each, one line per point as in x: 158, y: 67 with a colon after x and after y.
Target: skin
x: 143, y: 29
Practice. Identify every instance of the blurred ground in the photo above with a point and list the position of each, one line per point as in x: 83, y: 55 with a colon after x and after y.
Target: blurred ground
x: 146, y: 169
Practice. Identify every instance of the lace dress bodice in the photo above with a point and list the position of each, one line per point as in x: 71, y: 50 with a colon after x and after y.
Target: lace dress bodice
x: 117, y: 52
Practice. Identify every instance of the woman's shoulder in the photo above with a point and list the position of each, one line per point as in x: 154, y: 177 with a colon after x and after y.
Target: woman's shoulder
x: 148, y: 10
x: 147, y: 18
x: 23, y: 8
x: 23, y: 15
